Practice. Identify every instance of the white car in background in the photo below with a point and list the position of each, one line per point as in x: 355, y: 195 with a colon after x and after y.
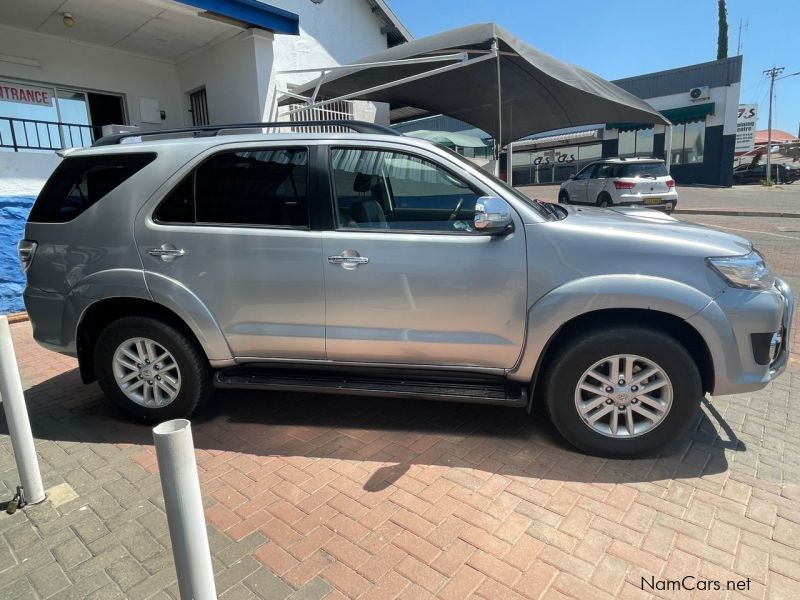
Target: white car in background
x: 622, y: 182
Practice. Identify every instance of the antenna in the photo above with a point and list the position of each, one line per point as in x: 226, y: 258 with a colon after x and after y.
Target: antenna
x: 743, y: 24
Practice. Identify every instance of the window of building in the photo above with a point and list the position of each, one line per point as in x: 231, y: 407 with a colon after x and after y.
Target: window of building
x: 636, y: 142
x: 380, y: 189
x: 252, y: 187
x: 40, y: 117
x: 688, y: 142
x: 80, y: 182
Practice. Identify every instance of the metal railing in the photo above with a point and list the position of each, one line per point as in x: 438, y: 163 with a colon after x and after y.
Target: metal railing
x: 31, y: 134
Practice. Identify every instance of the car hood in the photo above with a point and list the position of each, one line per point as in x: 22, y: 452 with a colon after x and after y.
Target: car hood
x: 650, y: 227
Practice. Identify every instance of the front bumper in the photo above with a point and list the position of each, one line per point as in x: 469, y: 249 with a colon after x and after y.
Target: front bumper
x: 728, y: 323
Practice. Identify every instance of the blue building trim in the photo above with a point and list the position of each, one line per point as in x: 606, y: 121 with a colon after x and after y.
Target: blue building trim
x: 253, y: 13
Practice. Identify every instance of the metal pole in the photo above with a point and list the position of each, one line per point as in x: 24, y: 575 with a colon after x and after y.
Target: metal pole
x: 510, y: 164
x: 499, y: 140
x: 184, y: 506
x: 668, y: 147
x: 19, y: 426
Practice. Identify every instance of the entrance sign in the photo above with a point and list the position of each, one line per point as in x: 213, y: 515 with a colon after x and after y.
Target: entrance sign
x: 746, y: 127
x: 27, y: 94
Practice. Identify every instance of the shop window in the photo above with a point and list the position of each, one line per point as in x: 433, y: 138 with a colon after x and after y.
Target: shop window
x: 637, y: 142
x: 688, y: 142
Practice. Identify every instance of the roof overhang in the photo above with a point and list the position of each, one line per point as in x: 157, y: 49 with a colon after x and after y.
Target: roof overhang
x: 251, y: 12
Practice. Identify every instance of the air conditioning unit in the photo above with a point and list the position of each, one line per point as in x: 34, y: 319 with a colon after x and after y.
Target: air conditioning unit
x: 700, y: 93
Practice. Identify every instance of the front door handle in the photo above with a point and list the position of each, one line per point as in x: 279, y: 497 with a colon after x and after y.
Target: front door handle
x: 166, y: 252
x: 349, y: 259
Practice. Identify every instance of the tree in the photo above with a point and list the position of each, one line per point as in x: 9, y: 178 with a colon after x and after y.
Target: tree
x: 722, y: 37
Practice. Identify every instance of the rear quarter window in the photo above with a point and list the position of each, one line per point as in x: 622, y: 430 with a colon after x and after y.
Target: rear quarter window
x: 651, y: 169
x: 80, y: 182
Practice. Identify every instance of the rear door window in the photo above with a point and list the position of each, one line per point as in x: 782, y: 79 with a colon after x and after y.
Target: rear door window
x: 263, y: 187
x: 80, y: 182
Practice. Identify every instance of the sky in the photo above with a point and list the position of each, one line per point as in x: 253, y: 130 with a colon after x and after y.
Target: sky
x: 622, y: 38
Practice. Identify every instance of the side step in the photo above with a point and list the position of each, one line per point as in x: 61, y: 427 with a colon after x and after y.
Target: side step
x: 434, y: 387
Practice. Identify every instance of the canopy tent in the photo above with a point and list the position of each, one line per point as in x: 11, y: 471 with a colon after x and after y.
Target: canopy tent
x: 447, y: 137
x: 489, y: 79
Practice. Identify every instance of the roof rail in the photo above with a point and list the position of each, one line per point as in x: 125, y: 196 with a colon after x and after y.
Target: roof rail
x: 213, y: 130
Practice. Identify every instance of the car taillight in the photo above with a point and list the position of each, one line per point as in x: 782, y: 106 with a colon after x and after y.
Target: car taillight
x: 624, y: 185
x: 26, y: 249
x: 670, y: 183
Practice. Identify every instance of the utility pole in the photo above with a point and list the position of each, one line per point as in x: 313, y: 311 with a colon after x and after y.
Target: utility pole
x: 773, y: 75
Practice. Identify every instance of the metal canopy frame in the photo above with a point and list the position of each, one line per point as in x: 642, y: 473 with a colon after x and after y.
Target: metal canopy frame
x: 461, y: 59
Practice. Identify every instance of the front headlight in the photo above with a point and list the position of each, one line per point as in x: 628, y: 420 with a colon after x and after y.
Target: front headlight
x: 750, y: 271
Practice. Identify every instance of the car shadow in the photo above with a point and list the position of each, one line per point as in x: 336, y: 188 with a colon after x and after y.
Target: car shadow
x: 392, y: 433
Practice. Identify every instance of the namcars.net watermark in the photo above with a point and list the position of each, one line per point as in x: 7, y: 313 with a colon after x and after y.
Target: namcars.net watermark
x: 691, y: 583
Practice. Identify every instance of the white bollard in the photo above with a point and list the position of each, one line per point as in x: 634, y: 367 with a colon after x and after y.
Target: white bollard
x: 19, y: 426
x: 184, y: 506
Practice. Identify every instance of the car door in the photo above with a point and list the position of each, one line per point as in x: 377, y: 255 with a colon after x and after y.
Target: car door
x: 408, y: 280
x: 233, y: 229
x: 576, y: 187
x: 597, y: 181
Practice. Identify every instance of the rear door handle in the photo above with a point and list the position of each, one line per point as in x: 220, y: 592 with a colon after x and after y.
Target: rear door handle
x: 167, y: 252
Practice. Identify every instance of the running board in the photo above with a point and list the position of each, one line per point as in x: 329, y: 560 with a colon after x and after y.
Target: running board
x: 499, y: 391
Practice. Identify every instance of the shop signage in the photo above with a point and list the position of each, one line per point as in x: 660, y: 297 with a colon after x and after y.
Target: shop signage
x: 746, y: 127
x: 27, y: 94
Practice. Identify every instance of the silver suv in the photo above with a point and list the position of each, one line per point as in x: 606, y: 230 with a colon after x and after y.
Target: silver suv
x: 376, y: 264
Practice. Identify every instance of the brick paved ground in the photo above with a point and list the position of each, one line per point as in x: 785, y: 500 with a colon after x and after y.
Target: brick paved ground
x: 310, y: 497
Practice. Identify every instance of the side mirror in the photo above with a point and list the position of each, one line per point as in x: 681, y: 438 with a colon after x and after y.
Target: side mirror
x: 572, y: 176
x: 493, y: 215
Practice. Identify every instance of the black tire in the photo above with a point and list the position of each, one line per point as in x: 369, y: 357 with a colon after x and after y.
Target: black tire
x: 563, y: 197
x: 604, y: 200
x: 196, y: 381
x: 574, y: 356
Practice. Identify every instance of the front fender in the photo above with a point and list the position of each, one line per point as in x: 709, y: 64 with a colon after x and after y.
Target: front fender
x: 600, y: 292
x: 182, y: 301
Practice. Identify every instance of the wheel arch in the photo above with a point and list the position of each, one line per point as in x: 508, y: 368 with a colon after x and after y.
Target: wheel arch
x: 608, y: 299
x: 99, y: 314
x: 663, y: 322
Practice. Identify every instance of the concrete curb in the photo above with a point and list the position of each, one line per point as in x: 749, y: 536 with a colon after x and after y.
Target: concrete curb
x: 735, y: 213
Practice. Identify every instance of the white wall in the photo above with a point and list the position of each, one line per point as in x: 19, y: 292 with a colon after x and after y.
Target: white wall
x: 24, y: 173
x: 725, y: 98
x: 76, y: 64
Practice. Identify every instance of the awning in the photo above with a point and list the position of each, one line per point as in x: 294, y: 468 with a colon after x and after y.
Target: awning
x: 448, y: 137
x: 498, y: 84
x: 687, y: 114
x: 576, y: 136
x: 684, y: 114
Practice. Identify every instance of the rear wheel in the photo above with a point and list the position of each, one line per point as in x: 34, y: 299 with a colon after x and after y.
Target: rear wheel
x: 151, y: 370
x: 604, y: 200
x: 623, y: 391
x: 563, y: 197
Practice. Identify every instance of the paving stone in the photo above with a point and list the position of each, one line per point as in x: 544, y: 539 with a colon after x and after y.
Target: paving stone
x: 71, y: 553
x: 48, y: 580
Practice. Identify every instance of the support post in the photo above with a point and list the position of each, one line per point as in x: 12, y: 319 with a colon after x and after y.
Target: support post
x: 668, y: 148
x: 19, y: 426
x: 184, y: 506
x: 510, y: 165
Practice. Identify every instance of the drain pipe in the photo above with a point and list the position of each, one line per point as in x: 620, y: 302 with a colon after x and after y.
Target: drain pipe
x: 184, y: 506
x: 19, y: 426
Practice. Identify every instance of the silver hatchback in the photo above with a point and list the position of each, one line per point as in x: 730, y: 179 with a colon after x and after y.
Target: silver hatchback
x: 375, y: 264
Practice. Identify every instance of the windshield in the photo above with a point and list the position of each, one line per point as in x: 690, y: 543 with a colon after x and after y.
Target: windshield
x: 548, y: 211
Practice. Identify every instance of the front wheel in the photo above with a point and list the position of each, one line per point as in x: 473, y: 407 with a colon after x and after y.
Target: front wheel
x: 563, y: 197
x: 622, y: 392
x: 151, y: 370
